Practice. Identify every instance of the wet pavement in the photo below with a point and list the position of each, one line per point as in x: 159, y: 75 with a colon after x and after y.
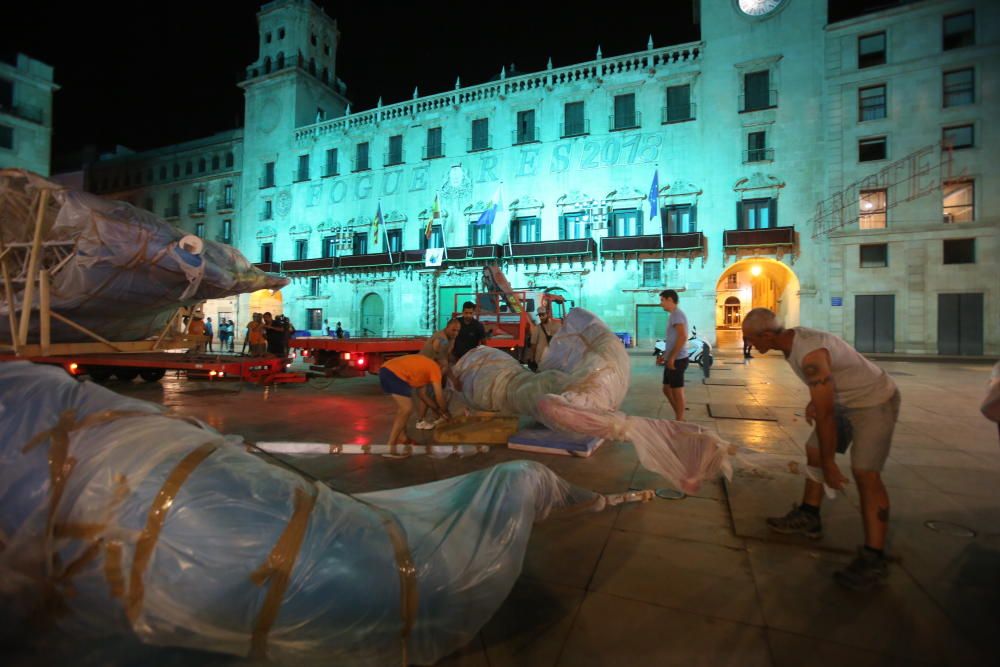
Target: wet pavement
x: 700, y: 580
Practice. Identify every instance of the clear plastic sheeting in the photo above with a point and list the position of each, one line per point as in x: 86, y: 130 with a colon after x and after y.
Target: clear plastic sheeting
x: 582, y: 380
x: 116, y: 269
x: 117, y: 518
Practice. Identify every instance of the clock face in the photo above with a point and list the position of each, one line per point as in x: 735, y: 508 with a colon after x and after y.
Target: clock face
x: 758, y: 8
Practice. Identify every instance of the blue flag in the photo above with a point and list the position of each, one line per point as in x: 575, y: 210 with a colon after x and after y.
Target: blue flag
x: 654, y: 195
x: 487, y: 216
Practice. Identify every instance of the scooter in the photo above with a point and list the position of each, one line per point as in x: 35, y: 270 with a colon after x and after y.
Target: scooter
x: 699, y: 352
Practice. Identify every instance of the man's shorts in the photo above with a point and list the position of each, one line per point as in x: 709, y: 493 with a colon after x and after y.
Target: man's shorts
x: 870, y: 434
x: 392, y: 383
x: 675, y: 378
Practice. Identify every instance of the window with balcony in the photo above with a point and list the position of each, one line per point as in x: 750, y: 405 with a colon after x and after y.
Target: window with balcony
x: 526, y: 132
x: 266, y: 253
x: 268, y: 212
x: 871, y: 103
x: 526, y: 229
x: 874, y: 255
x: 267, y: 180
x: 959, y: 87
x: 395, y: 243
x: 574, y: 226
x: 434, y: 147
x: 958, y: 201
x: 395, y: 153
x: 436, y: 239
x: 574, y: 124
x: 958, y: 136
x: 625, y: 116
x: 6, y: 137
x: 479, y: 234
x: 314, y: 291
x: 302, y: 173
x: 626, y: 222
x: 680, y: 218
x: 871, y: 209
x: 757, y: 213
x: 227, y: 231
x: 871, y: 50
x: 199, y: 230
x: 361, y: 157
x: 679, y: 107
x: 329, y: 246
x: 227, y: 196
x: 201, y: 201
x: 331, y: 163
x: 652, y: 274
x: 301, y: 249
x: 757, y: 150
x: 959, y: 251
x: 871, y: 149
x: 480, y: 140
x: 958, y: 30
x: 757, y: 92
x: 360, y: 244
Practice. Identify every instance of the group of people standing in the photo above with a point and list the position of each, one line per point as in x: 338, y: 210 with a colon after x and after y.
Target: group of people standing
x: 267, y: 334
x: 202, y: 329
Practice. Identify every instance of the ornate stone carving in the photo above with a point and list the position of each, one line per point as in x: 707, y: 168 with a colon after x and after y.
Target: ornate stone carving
x: 458, y: 185
x: 266, y: 233
x: 758, y: 181
x: 283, y: 203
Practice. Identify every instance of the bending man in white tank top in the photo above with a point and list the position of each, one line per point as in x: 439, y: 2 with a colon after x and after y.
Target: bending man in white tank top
x: 853, y: 403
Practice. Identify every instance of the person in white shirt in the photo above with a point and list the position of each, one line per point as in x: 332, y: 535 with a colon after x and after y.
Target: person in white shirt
x: 853, y: 403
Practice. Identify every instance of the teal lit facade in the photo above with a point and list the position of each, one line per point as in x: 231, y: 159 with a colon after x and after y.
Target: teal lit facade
x: 748, y: 130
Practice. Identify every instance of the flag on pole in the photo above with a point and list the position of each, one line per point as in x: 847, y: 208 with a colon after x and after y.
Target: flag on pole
x: 377, y: 225
x: 432, y: 219
x: 654, y: 195
x: 489, y: 215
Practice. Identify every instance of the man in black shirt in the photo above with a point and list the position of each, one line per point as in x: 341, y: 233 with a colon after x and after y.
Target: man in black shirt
x: 471, y: 334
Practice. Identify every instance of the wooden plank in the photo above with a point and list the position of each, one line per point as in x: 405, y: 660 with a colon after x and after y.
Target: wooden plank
x: 29, y: 286
x: 477, y: 429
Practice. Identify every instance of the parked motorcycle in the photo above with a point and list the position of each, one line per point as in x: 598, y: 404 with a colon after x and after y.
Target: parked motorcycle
x: 699, y: 352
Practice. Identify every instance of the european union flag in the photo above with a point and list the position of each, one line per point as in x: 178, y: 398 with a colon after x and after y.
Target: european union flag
x: 654, y: 195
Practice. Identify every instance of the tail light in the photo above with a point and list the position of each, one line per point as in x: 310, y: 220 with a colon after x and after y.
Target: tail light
x: 361, y: 362
x: 74, y: 368
x: 346, y: 355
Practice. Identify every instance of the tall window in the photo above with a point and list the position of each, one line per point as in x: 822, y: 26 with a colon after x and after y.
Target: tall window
x: 302, y: 173
x: 574, y: 124
x: 526, y: 230
x: 757, y: 93
x: 625, y: 223
x: 267, y: 181
x: 6, y: 93
x: 268, y: 212
x: 525, y: 132
x: 480, y: 135
x: 360, y: 245
x: 678, y: 104
x: 436, y: 239
x: 227, y: 195
x: 215, y: 163
x: 479, y: 234
x: 959, y: 87
x: 301, y: 249
x: 652, y: 274
x: 625, y: 116
x: 680, y: 218
x: 871, y: 50
x: 174, y: 209
x: 871, y: 103
x: 959, y: 201
x: 313, y: 289
x: 188, y: 168
x: 872, y: 148
x: 202, y: 198
x: 757, y: 150
x: 434, y: 148
x: 757, y: 213
x: 361, y: 158
x: 314, y: 319
x: 202, y: 165
x: 229, y: 160
x: 395, y: 153
x: 331, y: 162
x: 395, y: 237
x: 959, y: 30
x: 266, y: 253
x: 575, y: 226
x: 959, y: 136
x: 6, y: 136
x: 329, y: 246
x: 227, y: 231
x: 871, y: 209
x: 199, y: 230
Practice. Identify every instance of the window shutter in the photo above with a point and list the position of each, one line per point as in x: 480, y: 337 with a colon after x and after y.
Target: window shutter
x: 537, y: 224
x: 638, y: 221
x: 739, y: 215
x: 773, y: 217
x: 694, y: 218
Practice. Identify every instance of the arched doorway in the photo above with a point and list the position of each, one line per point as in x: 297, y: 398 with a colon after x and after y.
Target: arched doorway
x: 266, y: 301
x: 372, y: 315
x: 754, y: 283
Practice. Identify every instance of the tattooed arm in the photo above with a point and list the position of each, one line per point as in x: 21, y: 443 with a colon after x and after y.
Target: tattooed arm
x: 819, y: 378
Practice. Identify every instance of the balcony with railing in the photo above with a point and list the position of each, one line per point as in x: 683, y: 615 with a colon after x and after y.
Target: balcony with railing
x: 197, y: 210
x: 360, y: 165
x: 480, y: 143
x: 525, y: 135
x: 315, y: 264
x: 570, y: 248
x: 754, y: 241
x: 224, y: 206
x: 759, y: 102
x: 758, y: 155
x: 266, y: 182
x: 624, y: 121
x: 300, y: 175
x: 433, y: 151
x: 677, y: 113
x: 653, y: 243
x: 370, y: 260
x: 330, y: 170
x: 393, y: 158
x: 575, y: 129
x: 269, y: 267
x: 224, y: 238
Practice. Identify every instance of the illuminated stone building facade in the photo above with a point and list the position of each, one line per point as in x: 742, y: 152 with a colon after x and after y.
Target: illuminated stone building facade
x: 838, y: 173
x: 26, y: 87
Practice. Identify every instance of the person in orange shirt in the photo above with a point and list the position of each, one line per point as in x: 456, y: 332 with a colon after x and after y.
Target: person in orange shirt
x: 399, y: 377
x: 196, y: 328
x: 255, y: 336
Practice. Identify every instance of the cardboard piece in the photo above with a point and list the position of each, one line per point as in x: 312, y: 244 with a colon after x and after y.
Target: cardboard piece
x: 477, y: 429
x: 541, y: 440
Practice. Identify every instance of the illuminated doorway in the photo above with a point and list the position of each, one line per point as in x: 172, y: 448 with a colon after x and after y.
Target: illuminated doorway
x: 754, y: 283
x: 266, y: 301
x: 732, y: 315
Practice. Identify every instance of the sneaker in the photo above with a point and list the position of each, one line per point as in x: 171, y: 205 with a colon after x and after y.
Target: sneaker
x: 425, y: 425
x: 797, y: 522
x: 867, y: 571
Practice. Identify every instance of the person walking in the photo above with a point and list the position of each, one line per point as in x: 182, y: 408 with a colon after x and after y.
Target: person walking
x: 853, y: 403
x: 209, y: 334
x: 471, y: 332
x: 399, y: 377
x: 541, y: 336
x: 676, y: 353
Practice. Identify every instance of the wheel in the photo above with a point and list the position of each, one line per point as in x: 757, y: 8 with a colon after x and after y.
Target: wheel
x: 99, y: 375
x: 152, y: 374
x: 126, y: 374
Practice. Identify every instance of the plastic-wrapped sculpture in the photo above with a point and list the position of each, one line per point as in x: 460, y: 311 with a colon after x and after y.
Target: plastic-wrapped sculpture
x: 117, y: 518
x: 581, y: 382
x: 116, y: 269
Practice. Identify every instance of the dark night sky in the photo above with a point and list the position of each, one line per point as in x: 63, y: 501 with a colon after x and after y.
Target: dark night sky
x: 150, y: 74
